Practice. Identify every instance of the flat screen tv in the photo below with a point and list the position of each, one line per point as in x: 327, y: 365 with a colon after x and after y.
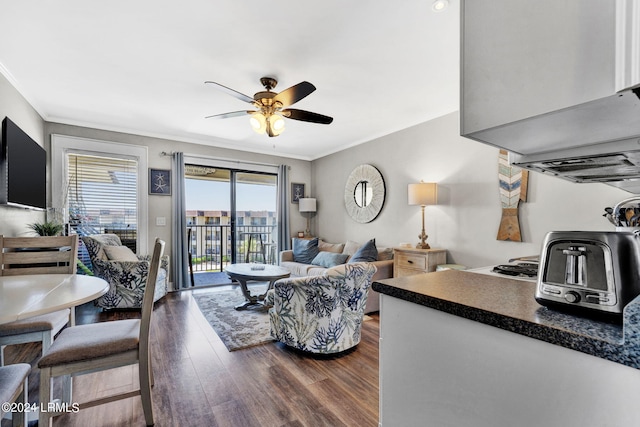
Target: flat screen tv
x: 23, y: 166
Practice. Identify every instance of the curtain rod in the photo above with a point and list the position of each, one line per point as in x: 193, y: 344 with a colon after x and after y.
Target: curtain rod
x: 203, y: 156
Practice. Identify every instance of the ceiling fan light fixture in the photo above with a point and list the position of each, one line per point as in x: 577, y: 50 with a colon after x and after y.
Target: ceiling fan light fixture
x: 258, y: 123
x: 271, y: 108
x: 275, y: 125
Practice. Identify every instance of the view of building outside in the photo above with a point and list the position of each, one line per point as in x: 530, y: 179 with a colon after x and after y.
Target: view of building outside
x: 209, y: 214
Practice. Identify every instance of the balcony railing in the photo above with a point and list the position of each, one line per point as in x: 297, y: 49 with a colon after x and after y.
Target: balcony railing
x: 210, y: 245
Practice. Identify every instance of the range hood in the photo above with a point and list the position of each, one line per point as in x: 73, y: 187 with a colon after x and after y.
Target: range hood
x: 557, y: 85
x: 598, y: 141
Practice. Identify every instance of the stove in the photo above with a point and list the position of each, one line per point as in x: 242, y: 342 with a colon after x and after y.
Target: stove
x: 523, y: 269
x: 518, y: 270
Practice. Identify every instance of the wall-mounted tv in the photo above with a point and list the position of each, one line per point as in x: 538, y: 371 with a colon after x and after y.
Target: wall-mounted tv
x: 23, y: 168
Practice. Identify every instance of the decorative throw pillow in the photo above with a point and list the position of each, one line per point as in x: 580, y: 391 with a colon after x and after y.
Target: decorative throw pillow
x: 385, y: 254
x: 305, y: 251
x: 329, y: 259
x: 119, y: 253
x: 330, y: 247
x: 366, y: 253
x: 350, y: 247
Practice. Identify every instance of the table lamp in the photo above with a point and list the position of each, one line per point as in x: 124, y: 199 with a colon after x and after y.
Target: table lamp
x: 307, y: 205
x: 423, y: 194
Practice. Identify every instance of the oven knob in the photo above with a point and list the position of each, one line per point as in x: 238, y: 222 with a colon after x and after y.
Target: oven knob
x: 572, y: 296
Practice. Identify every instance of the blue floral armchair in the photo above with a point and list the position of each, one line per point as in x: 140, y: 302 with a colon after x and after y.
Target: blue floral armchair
x: 126, y: 273
x: 321, y: 314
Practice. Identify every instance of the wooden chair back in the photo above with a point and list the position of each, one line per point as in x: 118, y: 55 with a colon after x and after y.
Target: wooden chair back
x: 38, y: 255
x: 147, y: 303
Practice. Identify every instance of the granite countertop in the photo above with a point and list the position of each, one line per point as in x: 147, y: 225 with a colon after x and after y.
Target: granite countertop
x: 509, y: 304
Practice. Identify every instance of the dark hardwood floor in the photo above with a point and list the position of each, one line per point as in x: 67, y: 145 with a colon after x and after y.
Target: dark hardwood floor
x: 198, y: 382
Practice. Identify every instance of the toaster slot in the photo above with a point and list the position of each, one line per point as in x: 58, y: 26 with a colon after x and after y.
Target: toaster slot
x: 577, y: 264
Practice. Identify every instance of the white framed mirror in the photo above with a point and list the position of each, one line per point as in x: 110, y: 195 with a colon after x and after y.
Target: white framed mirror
x: 364, y: 193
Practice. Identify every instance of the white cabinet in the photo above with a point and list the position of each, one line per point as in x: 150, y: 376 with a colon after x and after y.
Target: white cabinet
x: 627, y: 44
x: 523, y: 59
x: 437, y: 369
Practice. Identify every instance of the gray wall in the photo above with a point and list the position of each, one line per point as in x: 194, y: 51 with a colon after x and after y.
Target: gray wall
x: 161, y: 206
x: 466, y: 220
x: 13, y: 221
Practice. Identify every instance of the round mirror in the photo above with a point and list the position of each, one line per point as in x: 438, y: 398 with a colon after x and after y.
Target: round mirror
x: 364, y: 193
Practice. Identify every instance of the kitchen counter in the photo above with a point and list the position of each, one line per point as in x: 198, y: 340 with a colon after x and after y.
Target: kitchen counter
x: 509, y: 304
x: 467, y: 349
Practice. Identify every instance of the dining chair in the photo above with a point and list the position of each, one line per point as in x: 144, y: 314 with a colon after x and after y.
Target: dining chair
x: 14, y: 387
x: 96, y: 347
x: 36, y: 255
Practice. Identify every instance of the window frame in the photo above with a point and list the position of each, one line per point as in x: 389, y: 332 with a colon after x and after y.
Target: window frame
x: 61, y: 145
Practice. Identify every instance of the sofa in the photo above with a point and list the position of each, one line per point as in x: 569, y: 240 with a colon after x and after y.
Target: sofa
x: 300, y: 267
x: 321, y: 314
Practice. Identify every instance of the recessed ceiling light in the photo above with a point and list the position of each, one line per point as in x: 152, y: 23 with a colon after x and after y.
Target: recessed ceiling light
x: 440, y: 5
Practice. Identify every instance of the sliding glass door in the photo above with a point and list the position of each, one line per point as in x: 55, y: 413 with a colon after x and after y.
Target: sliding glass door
x: 255, y: 217
x: 231, y: 216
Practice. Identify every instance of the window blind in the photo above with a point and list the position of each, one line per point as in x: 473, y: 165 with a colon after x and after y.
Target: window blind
x: 102, y: 196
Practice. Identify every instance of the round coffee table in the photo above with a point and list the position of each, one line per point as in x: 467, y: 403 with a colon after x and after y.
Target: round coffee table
x: 242, y: 273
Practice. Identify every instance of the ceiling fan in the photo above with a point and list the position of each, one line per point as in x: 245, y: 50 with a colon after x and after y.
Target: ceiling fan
x: 272, y: 107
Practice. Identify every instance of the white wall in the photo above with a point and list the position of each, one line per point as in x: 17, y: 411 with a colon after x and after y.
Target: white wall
x: 13, y: 221
x: 466, y: 220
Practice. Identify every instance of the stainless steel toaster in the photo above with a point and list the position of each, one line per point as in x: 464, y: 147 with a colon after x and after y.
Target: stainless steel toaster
x: 589, y: 271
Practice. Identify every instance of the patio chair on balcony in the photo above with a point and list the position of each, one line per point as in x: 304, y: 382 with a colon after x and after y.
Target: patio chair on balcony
x: 255, y: 247
x: 190, y: 257
x: 125, y: 271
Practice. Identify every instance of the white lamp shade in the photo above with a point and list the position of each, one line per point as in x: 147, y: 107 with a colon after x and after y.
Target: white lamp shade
x: 307, y: 204
x: 258, y: 123
x: 277, y: 123
x: 423, y: 193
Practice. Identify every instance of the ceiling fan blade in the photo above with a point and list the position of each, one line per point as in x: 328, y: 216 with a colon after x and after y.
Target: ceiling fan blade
x: 307, y: 116
x: 231, y: 114
x: 234, y: 93
x: 294, y: 93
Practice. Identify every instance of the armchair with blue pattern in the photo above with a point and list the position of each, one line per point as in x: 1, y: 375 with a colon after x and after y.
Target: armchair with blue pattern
x: 321, y: 314
x: 127, y: 277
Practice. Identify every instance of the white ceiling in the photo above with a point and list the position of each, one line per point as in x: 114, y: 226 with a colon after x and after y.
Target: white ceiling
x: 140, y: 66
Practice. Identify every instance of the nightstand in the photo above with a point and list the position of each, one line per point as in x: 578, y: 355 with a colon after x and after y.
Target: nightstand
x: 410, y: 261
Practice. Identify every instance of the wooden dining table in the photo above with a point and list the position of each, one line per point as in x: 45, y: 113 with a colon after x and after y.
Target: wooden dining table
x: 30, y: 295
